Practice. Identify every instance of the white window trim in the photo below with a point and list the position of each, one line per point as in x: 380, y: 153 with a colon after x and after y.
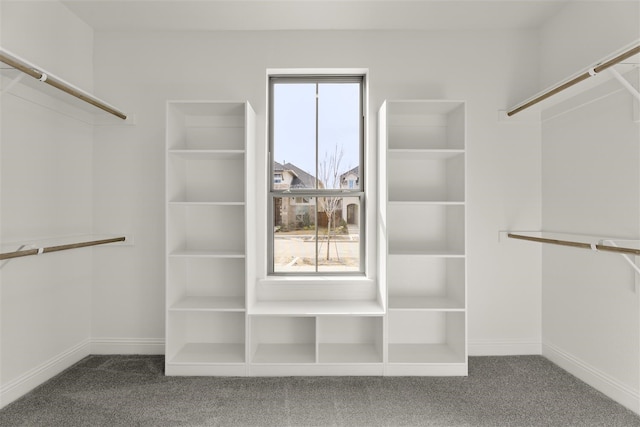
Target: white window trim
x: 369, y: 231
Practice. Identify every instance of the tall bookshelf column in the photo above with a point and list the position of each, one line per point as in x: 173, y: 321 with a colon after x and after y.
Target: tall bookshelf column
x: 208, y: 223
x: 423, y: 245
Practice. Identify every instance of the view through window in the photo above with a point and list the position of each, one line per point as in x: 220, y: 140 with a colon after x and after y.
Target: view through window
x: 316, y: 190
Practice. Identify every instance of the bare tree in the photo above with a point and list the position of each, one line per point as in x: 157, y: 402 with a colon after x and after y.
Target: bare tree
x: 329, y: 171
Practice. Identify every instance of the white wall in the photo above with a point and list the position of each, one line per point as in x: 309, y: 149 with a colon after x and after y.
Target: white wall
x: 591, y: 185
x: 142, y: 70
x: 46, y: 190
x: 585, y: 32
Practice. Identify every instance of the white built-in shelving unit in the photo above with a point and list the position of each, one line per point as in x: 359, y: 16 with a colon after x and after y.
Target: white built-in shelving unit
x: 422, y: 238
x: 209, y: 218
x: 409, y: 319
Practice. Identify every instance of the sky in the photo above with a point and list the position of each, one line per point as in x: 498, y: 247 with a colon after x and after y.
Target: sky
x: 295, y: 123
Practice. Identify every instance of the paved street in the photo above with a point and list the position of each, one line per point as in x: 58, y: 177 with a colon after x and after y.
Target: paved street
x: 297, y: 253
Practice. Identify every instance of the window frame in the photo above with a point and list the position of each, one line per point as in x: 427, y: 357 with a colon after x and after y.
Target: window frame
x: 358, y: 192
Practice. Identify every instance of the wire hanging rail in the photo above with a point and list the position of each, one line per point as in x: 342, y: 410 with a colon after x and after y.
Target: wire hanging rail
x: 589, y: 73
x: 37, y: 73
x: 42, y: 250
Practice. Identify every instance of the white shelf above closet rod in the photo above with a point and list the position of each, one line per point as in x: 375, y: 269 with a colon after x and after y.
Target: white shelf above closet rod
x: 38, y: 73
x: 575, y: 80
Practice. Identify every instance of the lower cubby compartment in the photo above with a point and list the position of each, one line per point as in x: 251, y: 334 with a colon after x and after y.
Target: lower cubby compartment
x: 202, y: 337
x: 210, y: 353
x: 276, y: 339
x: 426, y: 337
x: 349, y: 339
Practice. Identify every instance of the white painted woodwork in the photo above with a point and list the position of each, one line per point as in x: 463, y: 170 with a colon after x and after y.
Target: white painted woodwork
x: 423, y: 236
x: 207, y: 223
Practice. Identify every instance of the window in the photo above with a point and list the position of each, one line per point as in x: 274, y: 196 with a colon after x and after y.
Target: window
x: 316, y: 195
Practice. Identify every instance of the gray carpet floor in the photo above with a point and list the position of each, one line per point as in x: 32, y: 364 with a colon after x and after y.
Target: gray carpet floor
x: 133, y: 391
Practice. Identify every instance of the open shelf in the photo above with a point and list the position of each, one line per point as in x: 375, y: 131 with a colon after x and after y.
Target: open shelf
x: 201, y: 303
x: 284, y: 353
x: 206, y: 228
x: 405, y: 302
x: 206, y: 126
x: 426, y: 229
x: 425, y: 125
x: 349, y: 353
x: 195, y: 154
x: 433, y: 154
x: 190, y: 253
x: 423, y: 176
x: 287, y: 340
x: 205, y: 177
x: 205, y: 337
x: 424, y: 353
x: 350, y: 339
x: 206, y: 284
x: 205, y: 353
x: 430, y: 283
x: 426, y: 337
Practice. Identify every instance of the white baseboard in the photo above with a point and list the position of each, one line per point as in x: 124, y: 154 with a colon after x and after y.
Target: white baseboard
x: 127, y: 346
x: 504, y: 347
x: 34, y: 377
x: 597, y: 379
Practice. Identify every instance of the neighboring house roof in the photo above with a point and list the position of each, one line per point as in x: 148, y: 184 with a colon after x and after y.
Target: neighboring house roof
x: 355, y: 171
x: 301, y: 179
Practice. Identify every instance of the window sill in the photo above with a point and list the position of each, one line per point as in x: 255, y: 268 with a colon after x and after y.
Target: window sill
x: 315, y: 279
x: 308, y: 296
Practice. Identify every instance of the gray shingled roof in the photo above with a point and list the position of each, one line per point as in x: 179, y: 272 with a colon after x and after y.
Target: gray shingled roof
x: 301, y: 178
x: 355, y: 171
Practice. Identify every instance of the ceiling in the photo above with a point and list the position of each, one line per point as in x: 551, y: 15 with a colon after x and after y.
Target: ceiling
x: 208, y: 15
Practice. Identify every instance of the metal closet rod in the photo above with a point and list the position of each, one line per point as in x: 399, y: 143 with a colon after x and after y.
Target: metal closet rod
x: 38, y: 251
x: 573, y: 244
x: 58, y: 84
x: 592, y: 72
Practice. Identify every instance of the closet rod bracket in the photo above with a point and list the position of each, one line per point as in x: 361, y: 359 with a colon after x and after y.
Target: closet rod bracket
x: 631, y: 262
x: 625, y: 83
x: 632, y: 90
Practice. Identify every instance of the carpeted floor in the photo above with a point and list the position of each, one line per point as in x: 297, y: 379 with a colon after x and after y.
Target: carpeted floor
x: 132, y: 391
